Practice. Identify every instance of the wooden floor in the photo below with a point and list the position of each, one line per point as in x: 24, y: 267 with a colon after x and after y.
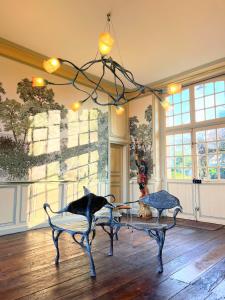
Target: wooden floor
x: 194, y: 267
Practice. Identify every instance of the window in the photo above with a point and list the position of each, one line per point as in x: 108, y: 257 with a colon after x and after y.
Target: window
x: 180, y: 112
x: 178, y: 156
x: 210, y: 150
x: 209, y: 101
x: 195, y: 132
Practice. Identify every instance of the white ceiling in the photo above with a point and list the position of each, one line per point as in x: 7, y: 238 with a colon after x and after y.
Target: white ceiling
x: 157, y: 38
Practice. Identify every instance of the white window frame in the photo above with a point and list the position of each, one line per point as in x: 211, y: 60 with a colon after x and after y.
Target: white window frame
x: 192, y: 127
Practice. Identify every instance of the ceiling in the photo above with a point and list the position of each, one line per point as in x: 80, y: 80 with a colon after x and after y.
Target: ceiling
x: 156, y: 38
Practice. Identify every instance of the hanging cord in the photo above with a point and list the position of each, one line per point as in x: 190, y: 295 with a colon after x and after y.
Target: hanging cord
x: 107, y: 27
x: 117, y: 43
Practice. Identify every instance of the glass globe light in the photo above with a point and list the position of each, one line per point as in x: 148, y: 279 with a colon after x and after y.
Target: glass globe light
x: 76, y: 106
x: 174, y: 88
x: 105, y: 43
x: 38, y: 82
x: 51, y: 65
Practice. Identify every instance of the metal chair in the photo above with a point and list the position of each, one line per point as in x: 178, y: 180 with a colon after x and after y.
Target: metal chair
x: 86, y: 206
x: 160, y: 201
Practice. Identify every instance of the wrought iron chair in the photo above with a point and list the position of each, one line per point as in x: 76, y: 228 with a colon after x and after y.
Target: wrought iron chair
x: 160, y: 201
x: 86, y: 206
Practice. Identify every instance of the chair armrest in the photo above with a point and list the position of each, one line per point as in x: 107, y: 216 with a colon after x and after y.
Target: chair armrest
x: 112, y: 196
x: 47, y: 207
x: 175, y: 212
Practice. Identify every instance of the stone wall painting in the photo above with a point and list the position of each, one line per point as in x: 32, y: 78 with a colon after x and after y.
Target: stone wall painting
x: 141, y: 162
x: 42, y: 140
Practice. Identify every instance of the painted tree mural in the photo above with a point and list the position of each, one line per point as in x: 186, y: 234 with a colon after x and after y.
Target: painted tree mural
x: 141, y: 163
x: 36, y: 119
x: 141, y: 136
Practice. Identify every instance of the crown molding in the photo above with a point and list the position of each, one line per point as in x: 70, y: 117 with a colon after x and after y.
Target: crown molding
x: 34, y: 59
x: 202, y: 72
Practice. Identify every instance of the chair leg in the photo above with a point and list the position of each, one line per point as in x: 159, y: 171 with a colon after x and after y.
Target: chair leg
x: 91, y: 261
x: 117, y: 230
x: 160, y: 241
x: 111, y: 235
x: 56, y: 243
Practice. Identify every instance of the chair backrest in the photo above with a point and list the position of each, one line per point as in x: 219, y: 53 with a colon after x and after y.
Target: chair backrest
x: 161, y: 200
x: 87, y: 205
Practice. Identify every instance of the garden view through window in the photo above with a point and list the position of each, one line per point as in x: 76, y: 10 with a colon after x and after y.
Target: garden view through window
x: 194, y: 150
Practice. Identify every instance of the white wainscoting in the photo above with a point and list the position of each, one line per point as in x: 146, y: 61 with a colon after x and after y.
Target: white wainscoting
x: 184, y: 191
x: 21, y: 205
x: 211, y: 202
x: 201, y: 202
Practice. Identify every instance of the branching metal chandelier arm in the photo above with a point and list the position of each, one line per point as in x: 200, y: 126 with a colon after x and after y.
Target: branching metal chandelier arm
x: 123, y: 88
x: 121, y: 95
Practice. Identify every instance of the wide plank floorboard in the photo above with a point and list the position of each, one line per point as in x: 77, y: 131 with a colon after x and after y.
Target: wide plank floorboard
x: 194, y: 267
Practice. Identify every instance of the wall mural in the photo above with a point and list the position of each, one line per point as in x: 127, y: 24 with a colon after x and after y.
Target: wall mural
x: 42, y: 140
x: 141, y: 162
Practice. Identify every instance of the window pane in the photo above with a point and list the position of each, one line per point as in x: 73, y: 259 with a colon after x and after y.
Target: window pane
x: 179, y: 173
x: 178, y: 139
x: 212, y: 160
x: 185, y: 107
x: 211, y: 135
x: 177, y: 120
x: 186, y: 118
x: 222, y: 160
x: 200, y: 115
x: 176, y: 98
x: 178, y: 150
x: 202, y: 173
x: 201, y: 148
x: 219, y: 86
x: 185, y: 95
x: 187, y: 149
x: 209, y: 101
x: 220, y: 99
x: 199, y: 103
x: 222, y: 173
x: 202, y: 161
x: 209, y: 88
x: 220, y: 111
x: 187, y: 161
x: 221, y: 133
x: 177, y: 109
x: 170, y: 162
x: 212, y: 147
x: 187, y: 173
x: 213, y: 173
x: 169, y: 112
x: 199, y: 90
x: 186, y: 138
x: 221, y: 146
x: 200, y: 136
x: 179, y: 162
x: 210, y: 113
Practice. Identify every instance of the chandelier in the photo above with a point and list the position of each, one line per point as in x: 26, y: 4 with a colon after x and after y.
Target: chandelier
x: 120, y: 94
